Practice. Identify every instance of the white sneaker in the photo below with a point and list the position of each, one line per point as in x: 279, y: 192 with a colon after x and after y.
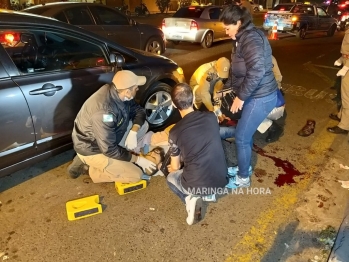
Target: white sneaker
x: 193, y: 205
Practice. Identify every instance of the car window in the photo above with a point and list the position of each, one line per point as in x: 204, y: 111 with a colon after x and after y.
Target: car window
x: 61, y: 17
x: 214, y: 13
x: 79, y: 16
x: 282, y: 7
x: 34, y: 51
x: 106, y: 16
x: 189, y: 12
x: 321, y: 12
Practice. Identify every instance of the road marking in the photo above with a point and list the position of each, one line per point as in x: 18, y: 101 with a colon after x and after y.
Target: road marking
x: 260, y: 238
x: 310, y: 67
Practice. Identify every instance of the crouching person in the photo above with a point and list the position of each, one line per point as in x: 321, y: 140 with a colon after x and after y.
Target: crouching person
x: 195, y: 140
x: 108, y: 130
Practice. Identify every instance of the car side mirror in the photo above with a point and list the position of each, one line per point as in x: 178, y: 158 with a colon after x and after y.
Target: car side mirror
x: 26, y: 38
x: 118, y: 60
x: 133, y: 22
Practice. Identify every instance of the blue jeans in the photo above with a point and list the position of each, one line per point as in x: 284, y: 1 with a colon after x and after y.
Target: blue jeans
x: 174, y: 183
x: 227, y: 132
x: 255, y: 110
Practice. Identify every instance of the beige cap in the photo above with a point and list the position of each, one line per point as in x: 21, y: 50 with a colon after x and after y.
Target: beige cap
x: 125, y: 79
x: 223, y: 66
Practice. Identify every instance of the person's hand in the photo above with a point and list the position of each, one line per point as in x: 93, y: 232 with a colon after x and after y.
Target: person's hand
x: 223, y: 117
x: 338, y: 62
x: 131, y: 140
x: 146, y: 164
x: 343, y: 71
x: 237, y: 105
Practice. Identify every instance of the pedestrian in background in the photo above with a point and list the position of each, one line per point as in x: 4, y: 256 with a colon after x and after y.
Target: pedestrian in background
x: 343, y: 115
x: 253, y: 82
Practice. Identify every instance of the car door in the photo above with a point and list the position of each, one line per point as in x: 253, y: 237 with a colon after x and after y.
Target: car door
x: 57, y: 72
x: 116, y: 26
x: 215, y: 24
x: 16, y: 123
x: 80, y: 16
x: 324, y: 19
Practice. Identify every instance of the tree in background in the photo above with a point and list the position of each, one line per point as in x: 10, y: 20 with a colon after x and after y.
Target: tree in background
x: 163, y: 5
x: 5, y: 4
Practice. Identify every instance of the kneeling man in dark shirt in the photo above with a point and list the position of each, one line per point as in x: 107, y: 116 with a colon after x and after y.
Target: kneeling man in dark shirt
x: 195, y: 140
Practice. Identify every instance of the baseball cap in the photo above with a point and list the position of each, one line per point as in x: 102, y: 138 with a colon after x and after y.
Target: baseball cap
x: 125, y: 79
x: 223, y: 66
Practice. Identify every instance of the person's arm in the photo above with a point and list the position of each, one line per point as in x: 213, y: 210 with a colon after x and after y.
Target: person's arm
x: 175, y: 154
x: 175, y: 164
x: 204, y: 92
x: 137, y: 113
x: 104, y: 128
x: 252, y: 51
x: 276, y: 71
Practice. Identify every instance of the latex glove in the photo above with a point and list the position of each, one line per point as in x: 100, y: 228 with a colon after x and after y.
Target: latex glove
x: 343, y: 71
x: 131, y: 140
x: 146, y: 164
x: 338, y: 62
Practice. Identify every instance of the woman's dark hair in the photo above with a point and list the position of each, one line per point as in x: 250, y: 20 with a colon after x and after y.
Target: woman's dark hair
x: 233, y: 13
x: 182, y: 96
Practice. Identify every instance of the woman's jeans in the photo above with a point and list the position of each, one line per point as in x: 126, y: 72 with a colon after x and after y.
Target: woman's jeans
x: 255, y: 110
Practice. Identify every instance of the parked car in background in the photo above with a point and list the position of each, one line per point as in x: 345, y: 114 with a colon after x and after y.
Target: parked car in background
x: 47, y: 71
x: 107, y: 22
x: 256, y: 7
x: 195, y: 24
x: 300, y: 19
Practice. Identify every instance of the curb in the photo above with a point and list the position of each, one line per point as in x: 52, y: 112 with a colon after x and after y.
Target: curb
x: 340, y: 249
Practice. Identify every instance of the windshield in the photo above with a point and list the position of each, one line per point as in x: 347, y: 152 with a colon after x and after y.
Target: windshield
x: 189, y: 12
x: 282, y: 7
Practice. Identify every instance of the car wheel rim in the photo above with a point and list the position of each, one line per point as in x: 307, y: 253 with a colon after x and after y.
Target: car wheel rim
x: 158, y: 107
x: 208, y: 40
x: 154, y: 47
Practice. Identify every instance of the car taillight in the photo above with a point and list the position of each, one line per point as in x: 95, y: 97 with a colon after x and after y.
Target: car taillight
x: 163, y: 25
x: 294, y: 18
x: 194, y: 26
x: 10, y: 39
x: 282, y: 9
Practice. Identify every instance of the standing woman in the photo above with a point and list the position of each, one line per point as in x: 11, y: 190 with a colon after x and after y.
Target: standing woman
x: 252, y: 79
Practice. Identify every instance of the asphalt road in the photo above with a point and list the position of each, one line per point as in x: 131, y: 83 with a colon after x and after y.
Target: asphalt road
x: 294, y: 195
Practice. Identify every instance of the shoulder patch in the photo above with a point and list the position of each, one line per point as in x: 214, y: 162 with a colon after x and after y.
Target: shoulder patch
x: 107, y: 118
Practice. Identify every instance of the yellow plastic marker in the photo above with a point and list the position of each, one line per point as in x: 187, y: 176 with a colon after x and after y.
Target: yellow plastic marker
x: 125, y: 188
x: 83, y: 207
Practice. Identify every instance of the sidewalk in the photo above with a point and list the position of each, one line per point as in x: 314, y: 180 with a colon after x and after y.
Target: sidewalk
x: 321, y: 213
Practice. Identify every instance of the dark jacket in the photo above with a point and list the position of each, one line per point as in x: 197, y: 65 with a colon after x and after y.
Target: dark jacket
x: 102, y: 122
x: 251, y: 73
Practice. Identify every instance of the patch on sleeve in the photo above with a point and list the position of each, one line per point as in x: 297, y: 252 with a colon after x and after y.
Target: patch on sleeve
x: 107, y: 118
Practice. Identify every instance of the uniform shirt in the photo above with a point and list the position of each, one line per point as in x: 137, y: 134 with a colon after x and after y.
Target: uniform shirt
x: 196, y: 138
x: 200, y: 82
x: 345, y: 48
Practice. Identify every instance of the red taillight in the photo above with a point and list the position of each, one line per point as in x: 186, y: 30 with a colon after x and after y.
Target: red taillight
x: 194, y: 26
x: 191, y: 8
x: 343, y: 5
x: 282, y: 9
x: 10, y: 39
x: 163, y: 25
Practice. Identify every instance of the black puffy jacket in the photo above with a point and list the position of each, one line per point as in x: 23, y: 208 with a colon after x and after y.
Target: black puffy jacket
x: 251, y: 73
x: 102, y: 122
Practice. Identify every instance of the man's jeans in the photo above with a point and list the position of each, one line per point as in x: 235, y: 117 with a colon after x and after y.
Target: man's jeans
x: 174, y: 183
x: 255, y: 110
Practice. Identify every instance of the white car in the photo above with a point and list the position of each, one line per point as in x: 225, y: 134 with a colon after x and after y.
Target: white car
x: 256, y: 7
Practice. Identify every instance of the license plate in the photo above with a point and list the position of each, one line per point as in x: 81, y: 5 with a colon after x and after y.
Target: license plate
x: 177, y: 36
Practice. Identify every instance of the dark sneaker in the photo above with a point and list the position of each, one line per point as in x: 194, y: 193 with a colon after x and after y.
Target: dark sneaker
x: 193, y: 205
x: 77, y: 168
x: 334, y: 117
x: 337, y: 130
x: 274, y: 133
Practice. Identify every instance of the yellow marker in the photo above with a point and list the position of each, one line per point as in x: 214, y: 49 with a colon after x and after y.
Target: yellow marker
x: 83, y: 207
x: 125, y: 188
